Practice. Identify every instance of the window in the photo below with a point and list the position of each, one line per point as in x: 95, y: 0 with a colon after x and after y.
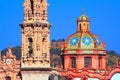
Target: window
x: 73, y: 60
x: 44, y: 12
x: 84, y: 24
x: 30, y: 46
x: 32, y: 6
x: 41, y: 1
x: 87, y: 26
x: 87, y: 61
x: 80, y: 27
x: 100, y: 62
x: 44, y: 40
x: 8, y: 78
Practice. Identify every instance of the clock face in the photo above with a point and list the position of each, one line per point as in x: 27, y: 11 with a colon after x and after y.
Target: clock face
x: 87, y: 41
x: 8, y: 61
x: 74, y: 41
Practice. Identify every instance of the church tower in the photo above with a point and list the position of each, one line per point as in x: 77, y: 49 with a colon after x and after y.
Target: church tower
x: 35, y: 59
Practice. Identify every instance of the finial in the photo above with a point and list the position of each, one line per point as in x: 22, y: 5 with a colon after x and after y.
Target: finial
x: 82, y: 10
x: 83, y: 13
x: 9, y: 51
x: 9, y: 46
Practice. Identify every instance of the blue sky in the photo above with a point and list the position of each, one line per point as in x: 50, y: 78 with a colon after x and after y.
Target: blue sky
x: 62, y: 14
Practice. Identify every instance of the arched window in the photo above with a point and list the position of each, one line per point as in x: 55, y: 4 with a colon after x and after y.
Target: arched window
x: 30, y: 46
x: 8, y: 78
x: 87, y: 26
x: 43, y: 40
x: 73, y: 62
x: 32, y: 6
x: 84, y: 24
x: 87, y: 62
x: 100, y: 62
x: 44, y: 45
x: 80, y: 27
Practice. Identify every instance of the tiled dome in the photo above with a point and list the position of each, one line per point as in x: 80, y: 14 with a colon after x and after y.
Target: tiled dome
x: 84, y: 41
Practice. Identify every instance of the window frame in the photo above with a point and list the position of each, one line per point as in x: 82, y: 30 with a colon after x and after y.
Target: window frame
x: 87, y: 62
x: 73, y: 62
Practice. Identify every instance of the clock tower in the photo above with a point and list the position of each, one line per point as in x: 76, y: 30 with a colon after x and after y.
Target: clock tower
x: 35, y: 59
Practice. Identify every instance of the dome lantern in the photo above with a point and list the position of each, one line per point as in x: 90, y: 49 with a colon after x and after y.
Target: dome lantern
x: 83, y: 23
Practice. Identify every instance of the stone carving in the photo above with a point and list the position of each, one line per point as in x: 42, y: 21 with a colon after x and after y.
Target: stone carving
x: 35, y: 52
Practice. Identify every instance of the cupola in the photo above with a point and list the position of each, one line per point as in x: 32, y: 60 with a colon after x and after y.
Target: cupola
x: 83, y: 23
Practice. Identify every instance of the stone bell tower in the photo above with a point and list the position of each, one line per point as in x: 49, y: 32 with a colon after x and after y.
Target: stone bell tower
x: 35, y: 59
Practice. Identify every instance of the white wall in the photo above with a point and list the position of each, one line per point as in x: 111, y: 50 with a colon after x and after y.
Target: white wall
x: 93, y: 79
x: 88, y: 79
x: 76, y: 78
x: 116, y: 76
x: 35, y: 76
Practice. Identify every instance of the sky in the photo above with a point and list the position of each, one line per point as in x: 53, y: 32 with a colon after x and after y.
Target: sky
x: 62, y: 14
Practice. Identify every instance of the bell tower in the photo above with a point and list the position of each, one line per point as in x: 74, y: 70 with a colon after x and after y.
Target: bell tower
x: 35, y: 59
x: 35, y: 10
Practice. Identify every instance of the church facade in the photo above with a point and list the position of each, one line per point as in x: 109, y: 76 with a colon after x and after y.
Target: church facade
x: 83, y: 54
x: 9, y: 66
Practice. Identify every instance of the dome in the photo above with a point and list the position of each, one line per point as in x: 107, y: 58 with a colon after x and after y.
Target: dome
x: 83, y: 17
x: 84, y: 41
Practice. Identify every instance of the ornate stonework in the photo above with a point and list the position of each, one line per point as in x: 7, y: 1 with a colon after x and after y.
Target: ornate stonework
x: 9, y: 67
x: 35, y: 39
x: 35, y: 10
